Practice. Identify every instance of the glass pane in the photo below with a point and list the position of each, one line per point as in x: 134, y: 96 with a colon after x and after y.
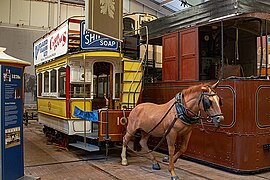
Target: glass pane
x: 129, y: 25
x: 100, y: 88
x: 62, y: 82
x: 46, y: 82
x: 77, y: 90
x: 117, y: 85
x: 53, y: 81
x: 103, y: 86
x: 39, y: 84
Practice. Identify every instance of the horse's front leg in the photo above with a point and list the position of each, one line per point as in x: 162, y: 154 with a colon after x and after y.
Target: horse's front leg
x: 183, y: 146
x: 171, y: 138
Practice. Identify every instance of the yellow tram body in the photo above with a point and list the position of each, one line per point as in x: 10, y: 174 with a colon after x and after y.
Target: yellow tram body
x: 90, y: 79
x: 52, y: 109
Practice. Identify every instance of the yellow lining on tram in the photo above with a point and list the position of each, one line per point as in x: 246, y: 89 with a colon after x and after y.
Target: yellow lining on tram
x: 60, y: 117
x: 63, y: 61
x: 51, y: 65
x: 98, y: 53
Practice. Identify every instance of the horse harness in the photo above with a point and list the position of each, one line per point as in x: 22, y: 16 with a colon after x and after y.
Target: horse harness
x: 182, y: 111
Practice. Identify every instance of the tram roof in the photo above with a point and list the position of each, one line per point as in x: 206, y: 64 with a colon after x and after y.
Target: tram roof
x: 7, y: 59
x: 206, y: 13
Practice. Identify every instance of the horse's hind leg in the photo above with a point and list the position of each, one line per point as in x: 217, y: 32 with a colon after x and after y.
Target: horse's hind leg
x: 126, y: 139
x: 144, y: 145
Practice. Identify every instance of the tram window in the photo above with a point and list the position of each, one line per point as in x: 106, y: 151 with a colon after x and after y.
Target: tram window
x: 102, y: 86
x: 39, y: 84
x: 77, y: 90
x: 53, y: 80
x: 117, y: 85
x: 62, y: 82
x: 129, y: 25
x: 46, y: 82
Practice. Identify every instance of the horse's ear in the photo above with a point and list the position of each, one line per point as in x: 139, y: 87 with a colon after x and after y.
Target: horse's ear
x: 215, y: 85
x: 204, y: 89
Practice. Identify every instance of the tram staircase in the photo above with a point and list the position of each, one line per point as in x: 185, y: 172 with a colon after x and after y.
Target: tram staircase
x: 132, y: 83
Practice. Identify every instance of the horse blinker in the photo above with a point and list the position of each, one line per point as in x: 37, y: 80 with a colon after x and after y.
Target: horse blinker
x: 207, y: 103
x: 220, y: 102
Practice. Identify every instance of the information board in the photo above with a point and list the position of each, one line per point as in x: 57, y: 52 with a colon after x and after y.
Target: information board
x: 11, y: 122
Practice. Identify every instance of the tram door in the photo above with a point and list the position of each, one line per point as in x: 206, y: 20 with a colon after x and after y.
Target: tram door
x: 102, y: 84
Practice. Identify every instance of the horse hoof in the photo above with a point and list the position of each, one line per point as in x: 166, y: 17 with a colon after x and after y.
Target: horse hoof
x: 165, y: 159
x: 175, y: 178
x: 124, y: 162
x: 155, y: 166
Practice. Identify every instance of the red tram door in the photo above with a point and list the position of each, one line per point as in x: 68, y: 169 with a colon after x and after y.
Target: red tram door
x: 189, y: 55
x: 181, y: 56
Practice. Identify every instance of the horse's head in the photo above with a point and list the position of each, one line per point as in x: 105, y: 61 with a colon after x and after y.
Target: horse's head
x: 211, y: 103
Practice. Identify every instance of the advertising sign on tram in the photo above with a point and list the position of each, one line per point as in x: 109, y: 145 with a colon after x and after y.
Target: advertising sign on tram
x: 90, y: 40
x: 51, y: 46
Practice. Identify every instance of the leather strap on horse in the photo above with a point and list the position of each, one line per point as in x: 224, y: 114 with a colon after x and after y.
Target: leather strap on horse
x: 161, y: 119
x: 182, y: 111
x: 162, y: 140
x: 166, y: 133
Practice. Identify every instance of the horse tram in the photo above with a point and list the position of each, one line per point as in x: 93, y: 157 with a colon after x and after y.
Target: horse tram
x: 225, y: 41
x: 84, y: 81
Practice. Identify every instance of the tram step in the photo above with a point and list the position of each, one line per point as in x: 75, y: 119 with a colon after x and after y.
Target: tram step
x: 128, y: 82
x: 93, y: 135
x: 86, y: 147
x: 131, y: 92
x: 132, y: 70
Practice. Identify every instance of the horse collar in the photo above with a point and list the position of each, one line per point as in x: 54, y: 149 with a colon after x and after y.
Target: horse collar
x: 182, y: 111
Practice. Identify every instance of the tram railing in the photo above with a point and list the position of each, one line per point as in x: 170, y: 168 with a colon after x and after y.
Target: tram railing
x: 137, y: 72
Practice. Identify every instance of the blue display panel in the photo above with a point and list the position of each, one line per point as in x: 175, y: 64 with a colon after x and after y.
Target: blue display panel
x: 11, y: 122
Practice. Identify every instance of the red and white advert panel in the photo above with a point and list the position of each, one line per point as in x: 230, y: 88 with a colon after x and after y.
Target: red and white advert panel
x: 53, y: 45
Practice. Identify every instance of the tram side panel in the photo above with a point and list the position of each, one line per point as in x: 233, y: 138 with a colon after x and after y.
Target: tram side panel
x: 262, y: 116
x: 253, y: 125
x: 117, y: 121
x: 53, y: 114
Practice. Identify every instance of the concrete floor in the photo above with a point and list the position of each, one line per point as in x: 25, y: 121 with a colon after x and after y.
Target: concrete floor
x: 47, y: 161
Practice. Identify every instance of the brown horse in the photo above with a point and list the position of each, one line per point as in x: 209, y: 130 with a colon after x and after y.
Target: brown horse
x: 168, y: 122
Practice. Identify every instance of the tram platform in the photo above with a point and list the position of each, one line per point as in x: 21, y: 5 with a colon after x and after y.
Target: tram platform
x: 49, y: 162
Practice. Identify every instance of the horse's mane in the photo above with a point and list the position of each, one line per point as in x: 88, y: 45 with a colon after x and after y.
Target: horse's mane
x: 194, y: 89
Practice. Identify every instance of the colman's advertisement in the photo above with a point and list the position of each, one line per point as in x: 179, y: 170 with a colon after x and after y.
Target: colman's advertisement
x: 51, y: 46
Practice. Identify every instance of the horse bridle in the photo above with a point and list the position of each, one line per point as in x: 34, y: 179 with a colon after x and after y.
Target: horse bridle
x: 183, y: 111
